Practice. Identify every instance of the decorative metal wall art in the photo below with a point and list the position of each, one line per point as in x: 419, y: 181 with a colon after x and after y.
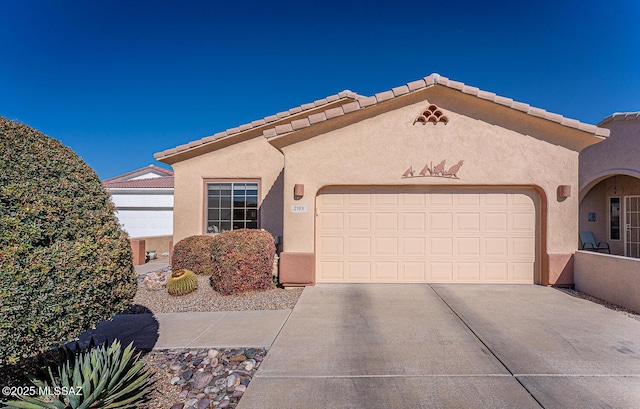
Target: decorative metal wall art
x: 438, y: 170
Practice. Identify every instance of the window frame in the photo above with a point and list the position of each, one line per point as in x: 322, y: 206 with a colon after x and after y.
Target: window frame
x: 620, y: 218
x: 230, y: 181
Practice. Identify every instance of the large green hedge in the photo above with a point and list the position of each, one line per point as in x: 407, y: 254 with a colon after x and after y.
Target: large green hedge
x: 65, y: 263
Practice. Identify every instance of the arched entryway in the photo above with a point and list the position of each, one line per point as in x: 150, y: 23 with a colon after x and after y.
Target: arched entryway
x: 610, y: 209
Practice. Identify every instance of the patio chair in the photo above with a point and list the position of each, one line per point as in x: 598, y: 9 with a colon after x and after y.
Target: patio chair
x: 589, y: 243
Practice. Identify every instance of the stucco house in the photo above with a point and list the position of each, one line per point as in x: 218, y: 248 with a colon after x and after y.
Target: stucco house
x: 431, y: 181
x: 610, y: 185
x: 144, y: 201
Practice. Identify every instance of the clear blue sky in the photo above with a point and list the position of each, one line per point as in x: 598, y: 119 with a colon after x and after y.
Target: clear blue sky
x: 120, y: 80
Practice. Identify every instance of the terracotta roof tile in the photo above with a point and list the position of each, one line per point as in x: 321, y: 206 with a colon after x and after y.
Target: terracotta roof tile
x: 401, y: 90
x: 383, y: 96
x: 436, y: 79
x: 300, y: 123
x: 280, y: 129
x: 415, y: 85
x: 620, y: 116
x: 321, y: 102
x: 350, y: 107
x: 333, y: 112
x: 368, y: 102
x: 315, y: 118
x: 362, y: 102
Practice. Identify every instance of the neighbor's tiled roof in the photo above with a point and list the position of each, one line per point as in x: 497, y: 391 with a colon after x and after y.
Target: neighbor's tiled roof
x: 429, y: 81
x: 161, y: 182
x: 621, y: 116
x: 147, y: 169
x: 260, y: 123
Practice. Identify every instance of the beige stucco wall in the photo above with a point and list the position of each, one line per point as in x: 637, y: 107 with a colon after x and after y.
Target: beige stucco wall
x: 617, y: 155
x: 254, y: 158
x: 612, y: 278
x: 499, y: 146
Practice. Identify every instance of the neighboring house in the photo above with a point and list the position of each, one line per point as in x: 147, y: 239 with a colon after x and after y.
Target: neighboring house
x: 610, y: 186
x: 431, y: 181
x: 144, y: 201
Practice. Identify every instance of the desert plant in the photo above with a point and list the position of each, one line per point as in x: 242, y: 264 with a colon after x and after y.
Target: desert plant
x: 65, y: 262
x: 193, y: 253
x: 242, y: 261
x: 182, y: 282
x: 103, y: 377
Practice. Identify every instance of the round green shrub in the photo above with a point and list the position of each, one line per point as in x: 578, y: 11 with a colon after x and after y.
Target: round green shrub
x: 65, y: 262
x: 193, y: 253
x: 242, y: 261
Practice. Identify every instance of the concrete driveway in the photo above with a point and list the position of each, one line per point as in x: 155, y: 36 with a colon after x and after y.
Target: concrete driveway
x: 449, y: 346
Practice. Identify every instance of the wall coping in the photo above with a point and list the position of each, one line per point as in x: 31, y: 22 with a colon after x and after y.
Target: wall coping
x: 594, y: 253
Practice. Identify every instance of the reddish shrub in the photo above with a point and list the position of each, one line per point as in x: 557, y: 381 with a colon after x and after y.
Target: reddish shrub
x: 193, y: 253
x: 242, y: 261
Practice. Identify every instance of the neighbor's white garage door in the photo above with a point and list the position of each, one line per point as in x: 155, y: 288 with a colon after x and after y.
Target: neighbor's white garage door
x: 427, y: 235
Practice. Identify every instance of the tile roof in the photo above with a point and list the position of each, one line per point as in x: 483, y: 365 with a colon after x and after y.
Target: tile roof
x: 265, y: 122
x: 151, y: 183
x: 429, y: 81
x: 620, y: 116
x: 134, y: 173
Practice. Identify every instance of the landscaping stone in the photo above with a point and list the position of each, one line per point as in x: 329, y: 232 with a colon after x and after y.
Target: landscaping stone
x: 155, y: 281
x: 219, y: 380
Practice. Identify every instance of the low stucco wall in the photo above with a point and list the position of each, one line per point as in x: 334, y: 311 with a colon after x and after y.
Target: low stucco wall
x: 612, y: 278
x: 161, y: 244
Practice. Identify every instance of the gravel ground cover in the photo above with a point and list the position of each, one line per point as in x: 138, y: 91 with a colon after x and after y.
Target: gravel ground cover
x: 205, y: 299
x: 604, y: 303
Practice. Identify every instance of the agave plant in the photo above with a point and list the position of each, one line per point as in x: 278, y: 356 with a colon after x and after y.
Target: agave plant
x: 182, y: 282
x: 102, y: 377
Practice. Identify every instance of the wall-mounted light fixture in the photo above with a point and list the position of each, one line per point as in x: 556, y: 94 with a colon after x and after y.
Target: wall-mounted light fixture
x: 564, y: 191
x: 298, y: 191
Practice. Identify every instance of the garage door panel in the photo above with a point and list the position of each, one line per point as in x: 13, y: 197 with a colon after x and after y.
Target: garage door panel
x: 441, y: 246
x: 468, y: 272
x: 386, y: 246
x: 332, y: 270
x: 358, y: 221
x: 413, y: 221
x: 468, y: 246
x: 496, y: 272
x: 386, y: 221
x: 413, y: 246
x: 442, y: 271
x: 358, y: 270
x: 332, y: 246
x: 359, y: 246
x: 426, y: 235
x: 440, y: 221
x: 468, y: 222
x: 385, y: 271
x: 414, y: 271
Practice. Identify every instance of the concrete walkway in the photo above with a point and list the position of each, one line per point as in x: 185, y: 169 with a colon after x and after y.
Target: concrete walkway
x: 226, y: 329
x: 449, y: 346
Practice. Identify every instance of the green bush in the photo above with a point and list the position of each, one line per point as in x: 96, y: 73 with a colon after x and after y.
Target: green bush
x: 103, y: 377
x: 242, y: 261
x: 65, y: 263
x: 193, y: 253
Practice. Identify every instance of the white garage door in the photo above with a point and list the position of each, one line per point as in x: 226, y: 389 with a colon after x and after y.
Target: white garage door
x: 426, y: 235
